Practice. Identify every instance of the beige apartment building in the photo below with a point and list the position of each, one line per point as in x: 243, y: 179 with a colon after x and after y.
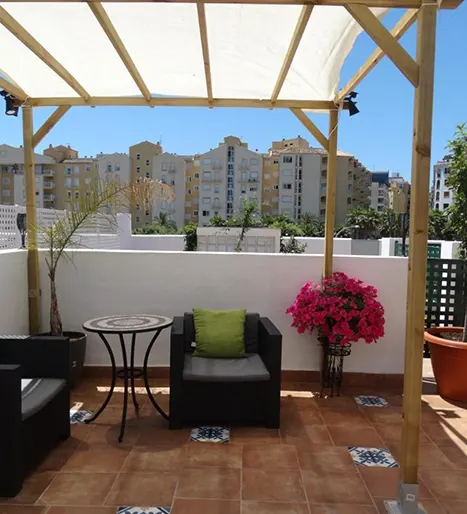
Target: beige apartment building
x: 399, y: 194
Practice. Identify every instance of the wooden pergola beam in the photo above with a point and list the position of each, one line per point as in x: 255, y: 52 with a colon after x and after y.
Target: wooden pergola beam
x: 203, y: 31
x: 386, y: 41
x: 49, y: 124
x: 30, y: 42
x: 108, y: 27
x: 292, y: 50
x: 16, y: 91
x: 312, y: 128
x: 319, y: 105
x: 402, y: 4
x: 401, y: 27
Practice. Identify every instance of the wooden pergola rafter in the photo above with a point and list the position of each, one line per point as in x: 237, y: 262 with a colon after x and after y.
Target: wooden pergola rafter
x: 419, y: 72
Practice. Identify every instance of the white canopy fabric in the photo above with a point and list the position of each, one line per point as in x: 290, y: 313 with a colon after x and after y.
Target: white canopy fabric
x: 247, y: 47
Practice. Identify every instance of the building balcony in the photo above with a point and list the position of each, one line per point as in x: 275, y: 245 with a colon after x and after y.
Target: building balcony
x: 48, y: 173
x: 49, y: 185
x: 172, y: 170
x: 212, y: 179
x: 49, y: 198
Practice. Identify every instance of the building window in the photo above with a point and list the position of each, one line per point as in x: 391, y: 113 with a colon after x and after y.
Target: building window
x: 324, y: 160
x: 196, y: 175
x: 206, y: 175
x: 138, y: 169
x: 324, y: 173
x: 138, y: 156
x: 287, y: 159
x: 253, y: 188
x: 69, y: 194
x: 109, y: 166
x: 244, y: 164
x: 68, y: 171
x: 195, y: 213
x: 254, y: 175
x: 188, y: 191
x: 76, y: 170
x: 206, y: 200
x: 322, y: 212
x: 349, y: 200
x: 77, y: 195
x: 206, y: 213
x: 287, y: 173
x: 147, y: 162
x: 445, y: 205
x: 446, y: 194
x: 87, y: 180
x: 217, y: 164
x: 88, y: 168
x: 286, y: 186
x: 323, y: 187
x: 207, y: 162
x: 6, y: 181
x: 117, y: 166
x: 267, y: 190
x: 6, y: 193
x: 188, y: 179
x: 196, y: 188
x: 267, y: 175
x: 137, y: 219
x: 207, y: 187
x: 350, y: 187
x: 216, y: 189
x: 286, y: 199
x: 147, y: 174
x: 275, y: 187
x: 254, y: 162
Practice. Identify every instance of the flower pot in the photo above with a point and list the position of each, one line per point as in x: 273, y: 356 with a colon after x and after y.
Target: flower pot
x: 449, y: 361
x: 77, y: 354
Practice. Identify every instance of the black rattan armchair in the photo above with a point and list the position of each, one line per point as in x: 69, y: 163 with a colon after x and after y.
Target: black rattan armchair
x: 226, y: 391
x: 34, y: 377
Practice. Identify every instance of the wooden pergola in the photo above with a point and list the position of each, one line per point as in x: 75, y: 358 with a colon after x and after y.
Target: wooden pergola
x: 419, y: 72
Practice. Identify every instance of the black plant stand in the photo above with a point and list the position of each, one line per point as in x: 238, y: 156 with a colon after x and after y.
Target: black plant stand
x: 333, y: 365
x: 121, y: 325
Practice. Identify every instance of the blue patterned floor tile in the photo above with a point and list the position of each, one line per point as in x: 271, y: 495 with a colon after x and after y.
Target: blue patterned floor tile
x: 79, y: 416
x: 371, y: 401
x: 372, y: 457
x: 143, y: 510
x: 210, y: 434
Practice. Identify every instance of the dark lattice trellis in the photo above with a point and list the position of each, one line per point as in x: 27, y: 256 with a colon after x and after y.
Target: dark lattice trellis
x: 433, y: 250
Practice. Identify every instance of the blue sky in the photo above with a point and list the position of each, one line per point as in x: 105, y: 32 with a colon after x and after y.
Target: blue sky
x: 380, y: 136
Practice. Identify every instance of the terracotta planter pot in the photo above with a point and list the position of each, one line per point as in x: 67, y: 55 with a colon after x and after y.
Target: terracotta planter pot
x: 449, y: 360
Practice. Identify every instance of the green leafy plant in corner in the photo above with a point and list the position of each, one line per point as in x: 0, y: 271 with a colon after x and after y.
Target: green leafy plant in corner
x: 291, y: 245
x: 191, y: 237
x: 85, y: 213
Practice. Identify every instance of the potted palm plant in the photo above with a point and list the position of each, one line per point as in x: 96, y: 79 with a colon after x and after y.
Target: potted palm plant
x: 448, y: 345
x: 87, y: 213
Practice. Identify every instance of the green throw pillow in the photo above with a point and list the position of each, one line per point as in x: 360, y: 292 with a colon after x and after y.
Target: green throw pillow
x: 219, y: 333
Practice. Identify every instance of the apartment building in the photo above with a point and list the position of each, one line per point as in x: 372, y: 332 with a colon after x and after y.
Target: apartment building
x: 297, y: 175
x: 12, y: 182
x: 228, y: 174
x: 442, y: 195
x: 192, y: 181
x: 380, y: 190
x: 141, y: 163
x: 398, y: 194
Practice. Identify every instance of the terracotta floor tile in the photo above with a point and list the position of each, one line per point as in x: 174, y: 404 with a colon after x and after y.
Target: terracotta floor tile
x: 452, y: 485
x: 108, y: 434
x: 392, y: 432
x: 303, y: 417
x: 335, y: 487
x: 220, y: 483
x: 78, y: 489
x: 450, y: 506
x: 457, y: 455
x: 430, y: 456
x: 306, y: 435
x: 430, y: 506
x: 324, y: 459
x: 384, y: 415
x: 33, y: 487
x: 265, y: 456
x: 96, y: 459
x: 337, y: 403
x: 56, y: 459
x: 213, y: 455
x: 269, y: 485
x: 355, y: 436
x: 350, y: 418
x: 384, y: 482
x: 21, y: 509
x: 79, y: 432
x: 183, y: 506
x: 316, y: 508
x: 255, y: 434
x: 256, y: 507
x: 79, y: 510
x: 163, y: 436
x: 154, y: 458
x: 143, y: 489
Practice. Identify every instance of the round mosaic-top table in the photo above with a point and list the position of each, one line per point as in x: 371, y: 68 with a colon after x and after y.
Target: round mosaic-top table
x: 120, y: 325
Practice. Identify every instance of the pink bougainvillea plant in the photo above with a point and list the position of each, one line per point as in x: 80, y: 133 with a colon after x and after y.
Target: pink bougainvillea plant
x: 342, y: 310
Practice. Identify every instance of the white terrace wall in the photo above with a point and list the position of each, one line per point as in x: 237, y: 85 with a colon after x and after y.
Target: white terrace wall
x: 13, y: 292
x: 100, y: 283
x: 449, y: 249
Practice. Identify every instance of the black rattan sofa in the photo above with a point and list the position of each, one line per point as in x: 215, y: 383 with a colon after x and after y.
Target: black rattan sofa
x: 226, y: 391
x: 35, y: 404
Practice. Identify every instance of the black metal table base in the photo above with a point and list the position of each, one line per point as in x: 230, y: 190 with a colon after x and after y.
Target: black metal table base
x: 128, y: 374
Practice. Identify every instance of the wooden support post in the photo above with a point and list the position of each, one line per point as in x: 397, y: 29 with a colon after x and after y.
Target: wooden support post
x: 330, y: 193
x: 415, y: 318
x: 49, y: 124
x: 312, y: 128
x: 33, y: 255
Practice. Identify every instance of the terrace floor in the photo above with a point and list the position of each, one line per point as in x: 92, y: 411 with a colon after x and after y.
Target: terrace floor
x: 303, y: 468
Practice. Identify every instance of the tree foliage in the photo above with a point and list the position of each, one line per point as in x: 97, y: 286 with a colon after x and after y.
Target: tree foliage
x: 162, y: 224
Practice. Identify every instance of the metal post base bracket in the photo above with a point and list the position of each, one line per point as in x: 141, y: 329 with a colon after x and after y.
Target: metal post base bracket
x: 393, y: 507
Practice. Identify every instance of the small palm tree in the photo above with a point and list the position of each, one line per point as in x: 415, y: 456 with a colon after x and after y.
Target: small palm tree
x: 165, y: 222
x: 86, y: 213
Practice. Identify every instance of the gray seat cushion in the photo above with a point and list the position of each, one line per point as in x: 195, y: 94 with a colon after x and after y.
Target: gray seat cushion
x: 248, y: 369
x: 37, y: 392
